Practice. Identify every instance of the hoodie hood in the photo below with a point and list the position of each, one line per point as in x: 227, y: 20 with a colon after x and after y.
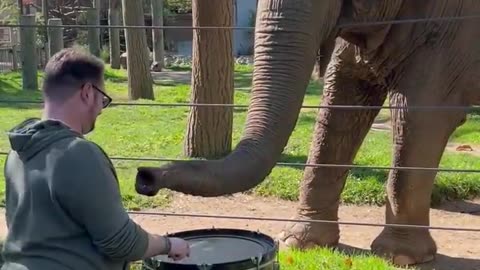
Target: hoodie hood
x: 34, y: 135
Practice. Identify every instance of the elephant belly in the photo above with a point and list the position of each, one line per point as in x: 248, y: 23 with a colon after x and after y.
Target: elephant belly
x: 381, y: 49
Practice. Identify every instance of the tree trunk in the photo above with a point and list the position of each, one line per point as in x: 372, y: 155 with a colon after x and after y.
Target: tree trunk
x: 45, y: 19
x: 114, y: 19
x: 209, y: 132
x: 157, y: 34
x: 140, y: 84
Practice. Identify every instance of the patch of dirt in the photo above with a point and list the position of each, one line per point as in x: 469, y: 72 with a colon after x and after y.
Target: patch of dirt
x: 457, y: 250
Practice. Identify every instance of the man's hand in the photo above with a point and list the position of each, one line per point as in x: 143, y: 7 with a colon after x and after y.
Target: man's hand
x: 175, y: 248
x: 179, y: 249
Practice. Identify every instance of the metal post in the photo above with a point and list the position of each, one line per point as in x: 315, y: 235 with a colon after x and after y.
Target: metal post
x: 93, y: 33
x: 55, y: 36
x: 28, y: 36
x: 157, y: 34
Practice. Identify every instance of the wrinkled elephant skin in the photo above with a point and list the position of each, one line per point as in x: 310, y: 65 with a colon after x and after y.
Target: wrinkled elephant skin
x: 425, y: 63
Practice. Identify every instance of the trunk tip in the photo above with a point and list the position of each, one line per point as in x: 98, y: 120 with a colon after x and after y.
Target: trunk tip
x: 146, y: 182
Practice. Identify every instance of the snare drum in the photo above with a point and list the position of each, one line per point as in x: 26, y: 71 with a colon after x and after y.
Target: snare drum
x: 222, y: 249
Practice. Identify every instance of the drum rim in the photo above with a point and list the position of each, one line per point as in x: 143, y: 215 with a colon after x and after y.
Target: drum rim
x: 268, y: 256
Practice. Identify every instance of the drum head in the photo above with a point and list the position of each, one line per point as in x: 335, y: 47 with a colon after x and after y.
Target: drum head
x: 224, y: 247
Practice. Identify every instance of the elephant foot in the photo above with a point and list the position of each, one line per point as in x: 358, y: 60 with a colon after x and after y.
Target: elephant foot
x: 405, y: 248
x: 305, y: 235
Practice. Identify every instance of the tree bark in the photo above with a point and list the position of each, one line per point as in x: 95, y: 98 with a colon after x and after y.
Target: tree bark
x: 209, y: 132
x: 114, y: 19
x: 140, y: 84
x: 157, y: 34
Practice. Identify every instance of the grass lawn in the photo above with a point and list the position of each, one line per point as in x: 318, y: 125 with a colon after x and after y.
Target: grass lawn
x: 129, y: 131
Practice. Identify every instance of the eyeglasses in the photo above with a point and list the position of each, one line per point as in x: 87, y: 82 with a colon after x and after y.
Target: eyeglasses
x: 106, y: 98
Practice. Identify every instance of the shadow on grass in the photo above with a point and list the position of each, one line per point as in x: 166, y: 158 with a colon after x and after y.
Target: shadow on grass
x: 460, y: 206
x: 314, y: 88
x: 287, y: 158
x: 475, y: 111
x: 441, y: 262
x: 180, y: 68
x: 12, y: 96
x: 243, y: 81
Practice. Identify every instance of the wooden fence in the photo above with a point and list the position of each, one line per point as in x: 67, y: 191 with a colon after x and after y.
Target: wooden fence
x: 10, y: 58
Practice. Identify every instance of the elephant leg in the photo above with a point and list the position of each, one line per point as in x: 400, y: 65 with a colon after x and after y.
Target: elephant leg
x: 420, y: 138
x: 338, y: 135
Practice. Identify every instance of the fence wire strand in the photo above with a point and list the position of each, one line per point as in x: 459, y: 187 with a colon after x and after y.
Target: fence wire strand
x: 365, y: 224
x: 341, y: 25
x: 245, y: 106
x: 300, y: 165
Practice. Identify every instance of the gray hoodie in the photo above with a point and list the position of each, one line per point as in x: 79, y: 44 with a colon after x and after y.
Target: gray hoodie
x: 63, y: 204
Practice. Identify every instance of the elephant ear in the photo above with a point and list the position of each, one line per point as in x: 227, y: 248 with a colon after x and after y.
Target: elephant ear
x: 369, y: 38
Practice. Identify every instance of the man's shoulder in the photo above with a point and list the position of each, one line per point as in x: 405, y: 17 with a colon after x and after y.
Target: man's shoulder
x: 85, y: 155
x: 80, y: 148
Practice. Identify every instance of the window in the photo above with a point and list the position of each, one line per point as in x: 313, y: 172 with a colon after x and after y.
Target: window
x: 5, y: 36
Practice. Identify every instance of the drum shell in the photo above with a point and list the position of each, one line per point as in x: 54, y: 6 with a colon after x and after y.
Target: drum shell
x: 152, y: 265
x: 268, y: 261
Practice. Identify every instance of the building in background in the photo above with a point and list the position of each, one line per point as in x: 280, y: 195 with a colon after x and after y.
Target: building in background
x: 179, y: 41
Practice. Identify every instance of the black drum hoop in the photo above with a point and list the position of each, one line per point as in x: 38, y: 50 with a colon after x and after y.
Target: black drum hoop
x: 268, y: 260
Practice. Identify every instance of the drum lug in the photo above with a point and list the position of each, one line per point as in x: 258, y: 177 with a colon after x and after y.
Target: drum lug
x: 204, y: 266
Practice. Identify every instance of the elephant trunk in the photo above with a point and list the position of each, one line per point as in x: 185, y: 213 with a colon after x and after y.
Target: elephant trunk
x: 288, y: 34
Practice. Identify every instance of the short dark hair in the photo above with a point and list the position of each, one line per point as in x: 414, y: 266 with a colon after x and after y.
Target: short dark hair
x: 68, y: 70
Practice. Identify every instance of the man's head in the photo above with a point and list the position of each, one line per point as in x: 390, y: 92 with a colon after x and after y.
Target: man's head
x: 73, y: 86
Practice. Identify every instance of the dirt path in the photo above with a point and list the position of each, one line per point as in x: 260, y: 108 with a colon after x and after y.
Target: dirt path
x: 458, y: 250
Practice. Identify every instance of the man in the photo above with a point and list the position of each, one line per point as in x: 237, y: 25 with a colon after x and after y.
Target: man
x: 63, y: 205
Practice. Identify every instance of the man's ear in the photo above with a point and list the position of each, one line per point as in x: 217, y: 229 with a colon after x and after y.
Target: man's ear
x: 86, y: 92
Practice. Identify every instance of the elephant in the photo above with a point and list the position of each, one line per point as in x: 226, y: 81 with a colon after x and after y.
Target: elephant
x: 419, y: 63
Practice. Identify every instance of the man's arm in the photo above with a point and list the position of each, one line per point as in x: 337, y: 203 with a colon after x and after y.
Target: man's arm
x: 87, y: 188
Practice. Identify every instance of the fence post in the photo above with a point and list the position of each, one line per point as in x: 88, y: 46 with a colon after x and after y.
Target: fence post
x: 28, y: 52
x: 93, y: 33
x: 157, y: 34
x: 55, y: 36
x: 14, y: 57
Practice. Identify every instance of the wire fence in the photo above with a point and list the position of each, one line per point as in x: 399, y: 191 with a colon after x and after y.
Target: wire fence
x: 245, y: 106
x: 305, y: 165
x: 317, y: 221
x: 343, y: 107
x: 341, y: 25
